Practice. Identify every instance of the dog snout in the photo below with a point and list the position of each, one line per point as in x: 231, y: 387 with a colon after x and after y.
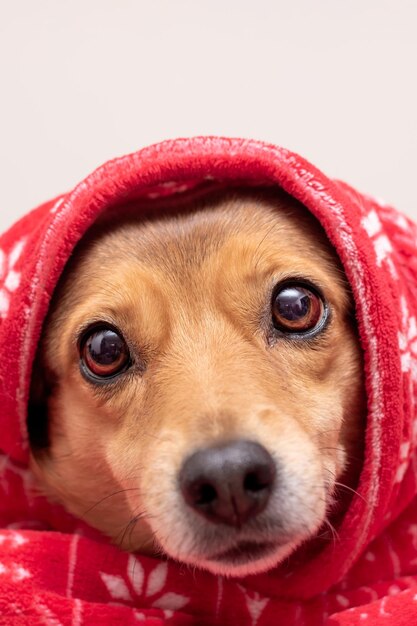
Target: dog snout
x: 229, y: 483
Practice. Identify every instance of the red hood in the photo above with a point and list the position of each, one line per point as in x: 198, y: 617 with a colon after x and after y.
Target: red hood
x: 377, y: 247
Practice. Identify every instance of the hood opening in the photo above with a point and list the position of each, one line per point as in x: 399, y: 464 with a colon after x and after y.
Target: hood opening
x: 147, y: 208
x: 364, y: 236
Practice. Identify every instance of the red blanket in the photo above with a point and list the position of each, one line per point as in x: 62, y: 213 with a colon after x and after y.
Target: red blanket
x: 55, y: 570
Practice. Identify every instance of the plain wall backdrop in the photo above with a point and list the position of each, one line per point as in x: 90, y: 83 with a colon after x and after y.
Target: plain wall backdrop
x: 87, y: 80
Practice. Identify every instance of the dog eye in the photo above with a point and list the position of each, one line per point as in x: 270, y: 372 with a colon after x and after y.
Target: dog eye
x: 104, y: 352
x: 296, y: 308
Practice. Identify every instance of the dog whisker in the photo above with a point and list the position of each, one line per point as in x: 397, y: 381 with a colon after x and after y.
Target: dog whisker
x: 130, y: 527
x: 333, y: 531
x: 124, y: 531
x: 347, y: 488
x: 110, y: 495
x: 255, y: 254
x: 349, y: 457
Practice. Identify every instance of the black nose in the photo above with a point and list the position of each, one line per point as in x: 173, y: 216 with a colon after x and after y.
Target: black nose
x: 228, y: 483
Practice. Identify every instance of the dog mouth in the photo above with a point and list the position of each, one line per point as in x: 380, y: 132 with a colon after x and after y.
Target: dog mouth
x: 243, y: 552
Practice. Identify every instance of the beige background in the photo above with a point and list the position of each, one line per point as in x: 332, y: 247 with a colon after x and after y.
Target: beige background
x: 86, y: 80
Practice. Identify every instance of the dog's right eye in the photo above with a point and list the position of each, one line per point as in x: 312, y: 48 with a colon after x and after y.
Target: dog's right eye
x: 104, y: 352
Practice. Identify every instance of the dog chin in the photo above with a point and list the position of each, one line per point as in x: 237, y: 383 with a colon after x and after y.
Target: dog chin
x: 243, y: 559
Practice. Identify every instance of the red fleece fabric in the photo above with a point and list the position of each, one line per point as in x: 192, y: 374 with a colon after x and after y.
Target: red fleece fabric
x: 56, y: 570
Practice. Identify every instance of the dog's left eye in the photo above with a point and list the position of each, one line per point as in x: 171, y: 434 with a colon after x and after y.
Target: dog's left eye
x: 104, y: 352
x: 297, y: 308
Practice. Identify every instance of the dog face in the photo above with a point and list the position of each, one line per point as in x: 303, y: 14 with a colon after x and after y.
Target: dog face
x: 203, y: 383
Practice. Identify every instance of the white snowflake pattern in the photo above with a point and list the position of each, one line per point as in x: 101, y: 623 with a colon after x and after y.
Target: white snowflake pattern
x: 138, y: 585
x: 47, y: 615
x: 407, y: 229
x: 13, y: 539
x: 255, y: 603
x: 382, y: 245
x: 16, y: 572
x: 407, y: 341
x: 404, y: 461
x: 9, y: 278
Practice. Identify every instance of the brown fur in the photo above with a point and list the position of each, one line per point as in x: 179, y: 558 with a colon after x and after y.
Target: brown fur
x: 192, y: 295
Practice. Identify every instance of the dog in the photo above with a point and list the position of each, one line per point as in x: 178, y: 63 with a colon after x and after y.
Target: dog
x: 198, y: 389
